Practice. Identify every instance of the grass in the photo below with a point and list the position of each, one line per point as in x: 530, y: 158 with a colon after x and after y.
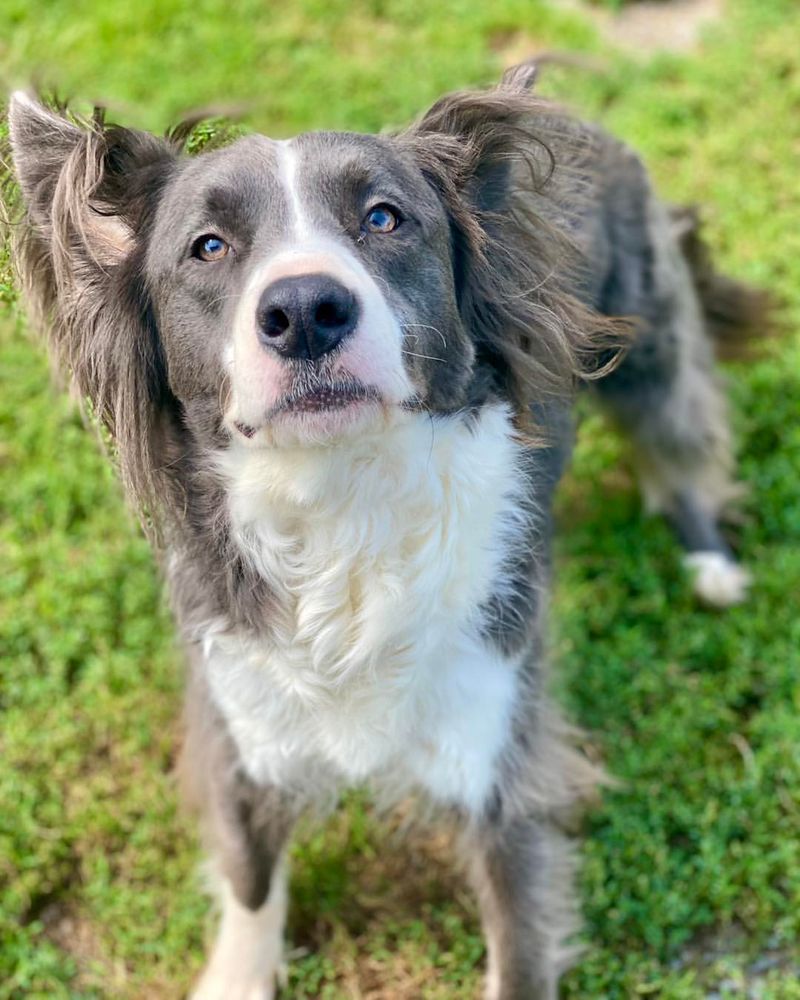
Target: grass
x: 691, y: 869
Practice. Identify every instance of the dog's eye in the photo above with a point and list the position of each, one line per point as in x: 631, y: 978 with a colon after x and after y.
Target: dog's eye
x: 381, y: 219
x: 210, y: 247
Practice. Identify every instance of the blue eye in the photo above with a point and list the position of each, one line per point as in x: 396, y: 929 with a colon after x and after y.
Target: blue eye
x: 381, y: 219
x: 210, y: 247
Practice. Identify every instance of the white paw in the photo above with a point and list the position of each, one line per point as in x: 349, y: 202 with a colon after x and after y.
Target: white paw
x: 717, y: 580
x: 215, y: 985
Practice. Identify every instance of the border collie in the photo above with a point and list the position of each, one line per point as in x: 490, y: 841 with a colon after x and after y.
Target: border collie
x: 336, y: 373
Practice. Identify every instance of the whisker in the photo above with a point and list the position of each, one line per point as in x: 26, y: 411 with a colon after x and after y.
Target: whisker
x: 426, y: 326
x: 224, y: 298
x: 428, y: 357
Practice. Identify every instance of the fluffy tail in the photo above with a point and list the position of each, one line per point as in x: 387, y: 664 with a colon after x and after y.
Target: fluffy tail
x: 737, y: 314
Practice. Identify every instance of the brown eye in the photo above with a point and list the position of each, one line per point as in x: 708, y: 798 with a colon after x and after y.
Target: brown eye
x: 210, y: 247
x: 381, y: 219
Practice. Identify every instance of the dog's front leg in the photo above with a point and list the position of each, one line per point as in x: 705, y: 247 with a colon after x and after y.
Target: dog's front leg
x: 247, y: 826
x: 522, y: 875
x: 246, y: 960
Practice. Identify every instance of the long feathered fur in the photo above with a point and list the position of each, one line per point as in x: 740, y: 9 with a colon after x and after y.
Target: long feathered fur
x: 86, y: 297
x: 738, y: 315
x: 493, y: 156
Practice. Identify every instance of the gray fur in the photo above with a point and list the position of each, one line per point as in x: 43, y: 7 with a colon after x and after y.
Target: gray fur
x: 665, y: 393
x: 520, y: 873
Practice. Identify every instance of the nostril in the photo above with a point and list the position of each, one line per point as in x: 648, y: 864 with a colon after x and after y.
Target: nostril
x: 275, y: 323
x: 331, y: 314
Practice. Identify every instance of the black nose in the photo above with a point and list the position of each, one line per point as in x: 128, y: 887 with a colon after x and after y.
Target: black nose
x: 305, y: 316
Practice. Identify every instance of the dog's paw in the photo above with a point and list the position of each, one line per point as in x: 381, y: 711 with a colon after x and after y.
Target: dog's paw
x: 716, y: 579
x: 233, y: 991
x: 216, y: 984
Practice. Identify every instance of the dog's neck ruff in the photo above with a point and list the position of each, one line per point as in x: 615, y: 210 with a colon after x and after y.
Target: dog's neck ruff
x: 381, y: 554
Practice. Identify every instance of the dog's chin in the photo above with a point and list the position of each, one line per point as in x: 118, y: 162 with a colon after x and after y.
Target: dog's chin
x: 323, y: 416
x: 327, y: 424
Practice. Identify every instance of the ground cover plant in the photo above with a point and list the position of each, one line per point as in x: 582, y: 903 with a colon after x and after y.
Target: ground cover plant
x: 691, y: 866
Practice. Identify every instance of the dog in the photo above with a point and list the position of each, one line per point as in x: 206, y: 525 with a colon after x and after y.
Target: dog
x: 337, y: 374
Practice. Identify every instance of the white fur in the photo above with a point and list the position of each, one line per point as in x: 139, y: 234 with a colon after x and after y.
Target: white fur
x: 717, y: 580
x: 287, y: 172
x: 380, y: 553
x: 246, y: 961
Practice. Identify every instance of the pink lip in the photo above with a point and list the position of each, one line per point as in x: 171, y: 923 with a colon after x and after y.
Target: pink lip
x: 326, y: 398
x: 333, y: 396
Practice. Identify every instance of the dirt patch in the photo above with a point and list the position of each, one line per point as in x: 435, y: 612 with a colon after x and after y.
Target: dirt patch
x: 652, y: 25
x: 73, y: 933
x: 515, y: 47
x: 403, y: 876
x: 727, y: 965
x: 644, y: 27
x: 407, y: 867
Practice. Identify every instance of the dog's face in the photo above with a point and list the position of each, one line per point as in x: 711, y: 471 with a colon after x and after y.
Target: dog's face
x: 298, y: 292
x: 313, y: 278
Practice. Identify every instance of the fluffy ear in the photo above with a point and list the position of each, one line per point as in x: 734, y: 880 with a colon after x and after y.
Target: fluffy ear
x: 41, y: 142
x: 491, y: 130
x: 499, y: 160
x: 95, y: 174
x: 521, y: 77
x: 88, y: 193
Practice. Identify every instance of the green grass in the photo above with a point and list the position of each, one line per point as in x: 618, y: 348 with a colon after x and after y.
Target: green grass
x: 691, y: 869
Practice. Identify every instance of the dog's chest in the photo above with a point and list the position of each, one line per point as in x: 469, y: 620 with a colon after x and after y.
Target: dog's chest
x: 381, y: 556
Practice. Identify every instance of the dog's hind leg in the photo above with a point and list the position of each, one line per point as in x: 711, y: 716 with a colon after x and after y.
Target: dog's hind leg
x: 683, y: 460
x: 247, y: 826
x: 666, y: 397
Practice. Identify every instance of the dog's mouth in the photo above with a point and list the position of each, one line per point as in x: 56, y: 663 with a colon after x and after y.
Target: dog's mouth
x: 325, y: 397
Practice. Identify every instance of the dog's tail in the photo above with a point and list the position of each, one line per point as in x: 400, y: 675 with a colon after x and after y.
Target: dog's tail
x: 737, y: 314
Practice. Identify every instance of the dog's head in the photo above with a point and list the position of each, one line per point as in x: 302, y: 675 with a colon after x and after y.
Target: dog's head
x: 296, y: 292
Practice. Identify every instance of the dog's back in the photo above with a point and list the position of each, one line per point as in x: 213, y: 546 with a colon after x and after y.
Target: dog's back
x: 641, y: 259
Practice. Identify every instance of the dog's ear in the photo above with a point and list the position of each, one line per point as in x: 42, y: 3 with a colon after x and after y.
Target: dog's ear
x: 89, y: 193
x: 521, y: 77
x: 41, y: 142
x: 493, y: 157
x: 92, y: 178
x: 489, y: 130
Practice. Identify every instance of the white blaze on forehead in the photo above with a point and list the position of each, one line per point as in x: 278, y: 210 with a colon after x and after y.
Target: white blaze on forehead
x: 288, y: 165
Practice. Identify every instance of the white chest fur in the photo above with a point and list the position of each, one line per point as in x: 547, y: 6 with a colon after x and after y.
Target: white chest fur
x: 381, y: 553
